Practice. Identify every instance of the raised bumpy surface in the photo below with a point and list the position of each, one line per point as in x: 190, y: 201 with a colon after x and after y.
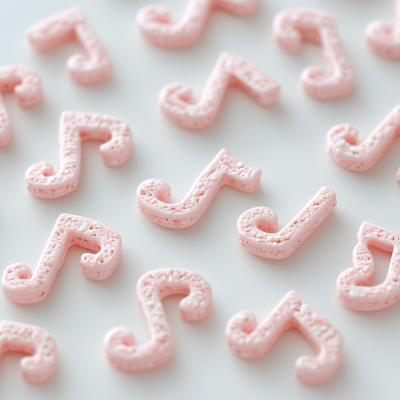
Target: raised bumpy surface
x: 153, y: 194
x: 75, y: 127
x: 250, y: 340
x: 351, y: 285
x: 20, y: 286
x: 119, y: 344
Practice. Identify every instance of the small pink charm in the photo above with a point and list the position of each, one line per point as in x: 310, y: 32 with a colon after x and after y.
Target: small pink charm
x: 27, y: 87
x: 250, y: 340
x: 256, y: 227
x: 293, y: 26
x: 176, y: 100
x: 383, y: 39
x: 69, y: 25
x: 41, y: 364
x: 155, y: 22
x: 20, y: 286
x: 120, y: 345
x: 342, y: 143
x: 352, y: 283
x: 76, y: 127
x: 153, y: 194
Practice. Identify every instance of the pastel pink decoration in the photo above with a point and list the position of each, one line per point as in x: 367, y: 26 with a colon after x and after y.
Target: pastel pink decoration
x: 41, y: 364
x: 20, y: 286
x: 343, y: 146
x: 291, y: 27
x: 27, y: 87
x: 153, y: 194
x: 155, y: 22
x: 120, y: 344
x: 384, y: 39
x: 177, y: 100
x: 250, y: 340
x: 76, y: 127
x: 69, y: 25
x: 257, y: 227
x: 352, y: 283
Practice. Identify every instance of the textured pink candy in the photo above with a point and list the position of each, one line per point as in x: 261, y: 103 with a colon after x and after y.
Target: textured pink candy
x: 75, y: 127
x: 383, y: 39
x: 27, y: 87
x: 176, y: 100
x: 156, y: 24
x: 153, y: 194
x: 342, y: 143
x: 250, y: 340
x: 120, y: 345
x: 256, y: 227
x: 41, y: 364
x: 72, y: 25
x: 20, y: 286
x: 293, y: 26
x: 351, y: 284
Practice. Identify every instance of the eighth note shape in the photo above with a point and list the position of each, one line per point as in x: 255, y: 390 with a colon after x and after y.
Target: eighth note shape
x: 27, y: 87
x: 352, y: 288
x: 68, y: 25
x: 256, y: 227
x: 75, y: 127
x: 155, y: 22
x: 21, y: 286
x: 250, y: 340
x: 177, y: 99
x: 120, y: 344
x: 383, y: 38
x: 343, y: 146
x: 293, y: 26
x: 153, y: 194
x: 41, y: 362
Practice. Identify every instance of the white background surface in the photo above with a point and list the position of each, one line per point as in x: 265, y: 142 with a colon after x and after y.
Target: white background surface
x: 286, y: 141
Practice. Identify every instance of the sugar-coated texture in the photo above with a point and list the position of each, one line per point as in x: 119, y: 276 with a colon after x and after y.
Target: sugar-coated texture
x: 27, y: 87
x: 69, y: 25
x: 342, y: 143
x: 42, y: 181
x: 292, y: 26
x: 384, y: 39
x: 256, y: 227
x: 351, y: 285
x: 155, y: 22
x: 176, y: 100
x: 153, y: 194
x: 120, y: 345
x: 41, y: 364
x: 20, y: 286
x: 250, y: 340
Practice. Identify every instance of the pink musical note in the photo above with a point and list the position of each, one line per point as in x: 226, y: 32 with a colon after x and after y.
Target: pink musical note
x: 256, y: 227
x: 155, y: 22
x: 20, y: 286
x: 153, y: 194
x: 342, y: 143
x: 41, y: 364
x: 293, y: 26
x: 383, y: 39
x: 176, y: 100
x: 27, y: 87
x: 76, y: 127
x: 120, y: 344
x: 351, y: 284
x: 72, y: 25
x: 250, y: 340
